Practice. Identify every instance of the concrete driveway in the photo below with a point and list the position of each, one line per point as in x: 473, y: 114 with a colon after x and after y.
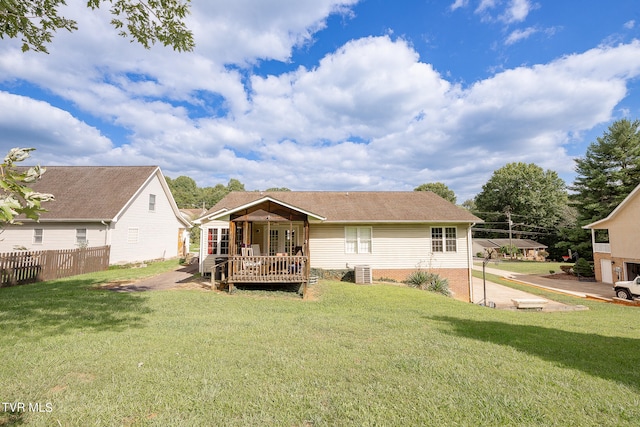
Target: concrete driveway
x: 503, y: 294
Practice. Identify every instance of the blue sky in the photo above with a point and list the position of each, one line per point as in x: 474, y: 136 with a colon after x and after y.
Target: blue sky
x: 333, y: 95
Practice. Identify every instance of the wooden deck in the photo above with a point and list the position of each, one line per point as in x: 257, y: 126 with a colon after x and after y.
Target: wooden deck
x: 268, y: 269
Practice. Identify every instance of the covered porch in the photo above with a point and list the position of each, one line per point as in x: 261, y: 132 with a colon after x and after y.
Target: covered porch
x: 268, y: 244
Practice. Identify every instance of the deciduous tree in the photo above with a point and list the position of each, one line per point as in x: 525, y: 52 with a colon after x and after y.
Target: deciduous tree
x: 530, y: 193
x: 16, y: 198
x: 440, y: 189
x: 146, y: 22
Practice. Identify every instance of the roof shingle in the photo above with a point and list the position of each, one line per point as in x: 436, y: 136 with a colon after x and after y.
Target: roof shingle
x: 89, y: 192
x: 360, y: 206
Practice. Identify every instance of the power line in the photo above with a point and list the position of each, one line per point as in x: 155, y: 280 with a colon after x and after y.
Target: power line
x: 502, y: 230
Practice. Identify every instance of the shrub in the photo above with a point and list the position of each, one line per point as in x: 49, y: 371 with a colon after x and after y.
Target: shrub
x: 418, y: 279
x: 429, y: 281
x: 552, y: 271
x: 567, y: 268
x: 583, y: 268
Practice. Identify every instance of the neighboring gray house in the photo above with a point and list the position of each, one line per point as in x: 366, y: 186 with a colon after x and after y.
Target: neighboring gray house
x: 393, y: 233
x: 530, y: 249
x: 129, y: 208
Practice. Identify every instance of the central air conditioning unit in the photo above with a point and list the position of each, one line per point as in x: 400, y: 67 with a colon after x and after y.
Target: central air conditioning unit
x: 363, y: 274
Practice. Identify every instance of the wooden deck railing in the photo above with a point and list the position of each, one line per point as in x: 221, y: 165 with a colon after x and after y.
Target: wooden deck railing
x: 268, y: 269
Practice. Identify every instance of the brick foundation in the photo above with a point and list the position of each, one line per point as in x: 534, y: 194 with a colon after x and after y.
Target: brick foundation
x: 616, y: 262
x: 458, y: 278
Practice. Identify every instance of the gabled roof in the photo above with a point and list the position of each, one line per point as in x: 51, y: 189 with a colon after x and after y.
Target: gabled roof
x: 365, y: 206
x: 94, y: 193
x: 621, y: 206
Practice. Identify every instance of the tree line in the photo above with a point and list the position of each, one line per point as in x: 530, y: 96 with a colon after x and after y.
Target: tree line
x: 539, y: 204
x: 543, y: 207
x: 188, y: 195
x: 536, y: 201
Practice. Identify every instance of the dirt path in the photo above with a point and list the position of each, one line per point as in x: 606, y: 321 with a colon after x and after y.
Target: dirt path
x: 181, y: 278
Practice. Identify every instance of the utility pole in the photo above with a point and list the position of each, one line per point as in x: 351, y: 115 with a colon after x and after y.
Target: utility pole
x: 508, y: 211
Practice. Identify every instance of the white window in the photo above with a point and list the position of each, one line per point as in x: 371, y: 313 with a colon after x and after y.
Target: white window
x: 37, y: 236
x: 218, y: 241
x: 357, y: 240
x: 450, y: 239
x: 444, y: 239
x: 81, y: 236
x: 152, y: 202
x: 132, y: 236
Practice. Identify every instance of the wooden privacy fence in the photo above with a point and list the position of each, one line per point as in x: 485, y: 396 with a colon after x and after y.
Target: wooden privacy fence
x: 17, y: 268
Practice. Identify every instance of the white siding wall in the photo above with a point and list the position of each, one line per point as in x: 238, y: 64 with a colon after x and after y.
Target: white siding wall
x: 394, y: 246
x: 157, y: 230
x: 54, y: 236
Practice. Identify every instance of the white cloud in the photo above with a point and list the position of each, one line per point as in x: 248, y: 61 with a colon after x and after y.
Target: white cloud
x: 630, y: 25
x: 459, y: 4
x: 55, y: 133
x: 517, y: 11
x: 518, y: 35
x: 485, y: 5
x: 370, y: 115
x: 509, y: 12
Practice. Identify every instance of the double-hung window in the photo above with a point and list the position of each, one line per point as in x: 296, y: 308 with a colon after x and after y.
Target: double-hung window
x: 444, y: 239
x: 152, y: 202
x: 81, y: 236
x: 37, y: 236
x: 357, y: 240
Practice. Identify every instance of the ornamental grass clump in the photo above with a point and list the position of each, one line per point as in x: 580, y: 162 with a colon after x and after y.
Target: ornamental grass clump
x: 428, y: 281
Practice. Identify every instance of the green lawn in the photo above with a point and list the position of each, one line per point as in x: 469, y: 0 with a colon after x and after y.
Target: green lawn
x: 357, y: 355
x: 525, y: 267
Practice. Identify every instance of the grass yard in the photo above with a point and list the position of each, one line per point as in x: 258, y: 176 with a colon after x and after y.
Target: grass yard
x: 357, y: 355
x: 525, y: 267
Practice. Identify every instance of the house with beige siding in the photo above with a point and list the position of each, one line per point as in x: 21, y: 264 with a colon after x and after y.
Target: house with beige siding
x: 129, y: 208
x: 616, y: 241
x: 266, y: 236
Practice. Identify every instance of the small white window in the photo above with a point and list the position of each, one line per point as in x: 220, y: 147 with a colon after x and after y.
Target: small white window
x: 37, y: 236
x: 444, y: 239
x: 81, y: 236
x: 152, y: 202
x: 132, y: 236
x: 357, y: 240
x: 450, y: 239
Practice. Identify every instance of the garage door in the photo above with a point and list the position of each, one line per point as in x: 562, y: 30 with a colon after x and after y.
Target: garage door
x: 633, y: 270
x: 605, y: 267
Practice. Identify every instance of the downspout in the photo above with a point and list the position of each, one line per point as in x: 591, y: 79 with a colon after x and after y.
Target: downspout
x: 106, y: 233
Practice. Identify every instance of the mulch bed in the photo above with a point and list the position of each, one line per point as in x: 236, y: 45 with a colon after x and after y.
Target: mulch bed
x: 561, y: 276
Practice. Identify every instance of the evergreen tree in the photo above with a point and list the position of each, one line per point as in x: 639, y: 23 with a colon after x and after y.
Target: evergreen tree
x: 607, y: 173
